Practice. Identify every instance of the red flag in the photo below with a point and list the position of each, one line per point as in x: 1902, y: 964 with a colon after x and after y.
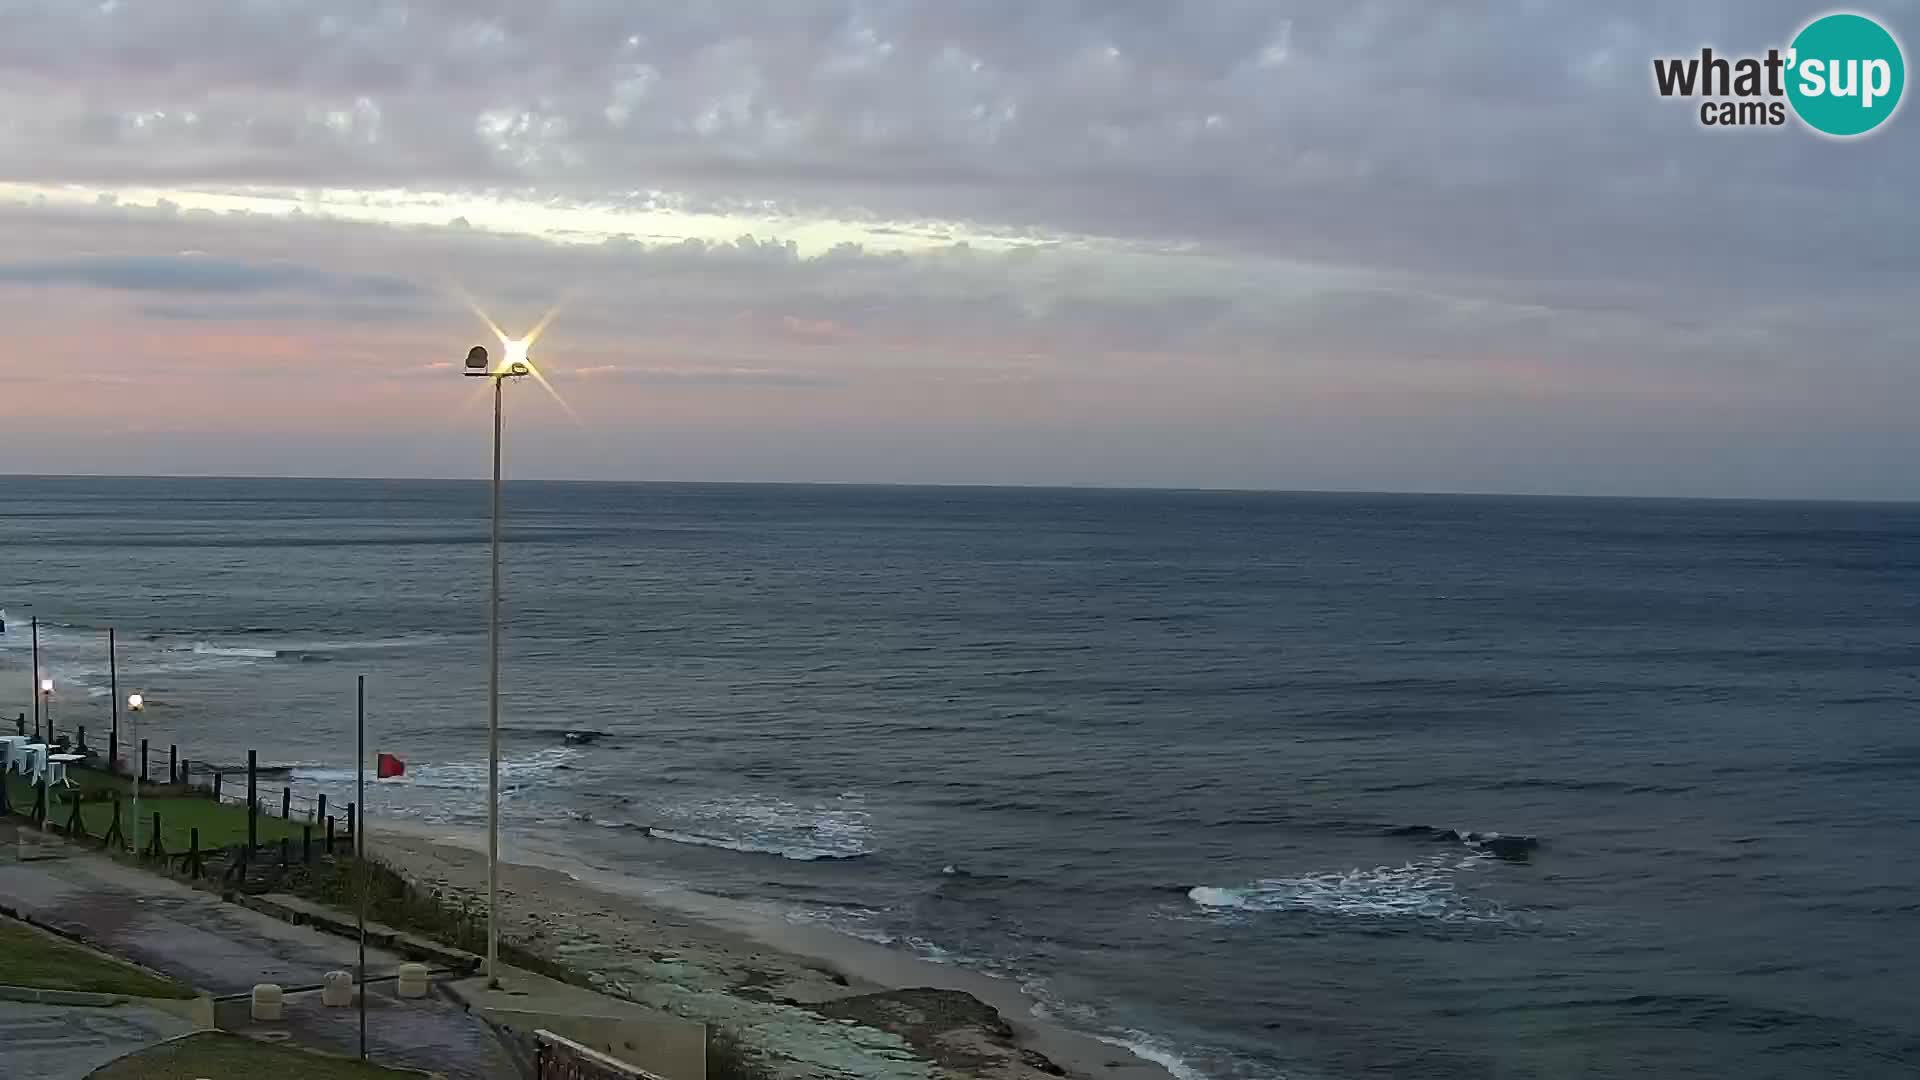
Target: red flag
x: 387, y: 765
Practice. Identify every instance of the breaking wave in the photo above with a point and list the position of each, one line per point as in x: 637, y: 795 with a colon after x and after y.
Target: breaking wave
x: 1422, y: 889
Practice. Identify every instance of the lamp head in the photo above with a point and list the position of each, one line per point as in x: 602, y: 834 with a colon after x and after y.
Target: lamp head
x: 136, y: 702
x: 46, y: 687
x: 477, y: 360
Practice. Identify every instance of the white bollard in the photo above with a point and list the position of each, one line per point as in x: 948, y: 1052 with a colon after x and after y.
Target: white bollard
x: 268, y: 1002
x: 336, y: 990
x: 413, y: 980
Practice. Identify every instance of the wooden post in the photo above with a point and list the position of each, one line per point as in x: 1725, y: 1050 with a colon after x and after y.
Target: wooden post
x: 329, y: 834
x: 216, y: 784
x: 143, y: 761
x: 83, y: 738
x: 173, y: 755
x: 321, y: 813
x: 253, y: 801
x: 286, y: 804
x: 306, y: 843
x: 193, y: 865
x: 156, y: 846
x: 352, y: 831
x: 115, y: 837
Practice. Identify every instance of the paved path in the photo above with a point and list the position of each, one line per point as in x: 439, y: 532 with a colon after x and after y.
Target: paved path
x: 224, y: 949
x: 50, y: 1042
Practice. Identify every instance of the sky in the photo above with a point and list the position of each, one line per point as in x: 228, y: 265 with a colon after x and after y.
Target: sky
x: 1365, y: 245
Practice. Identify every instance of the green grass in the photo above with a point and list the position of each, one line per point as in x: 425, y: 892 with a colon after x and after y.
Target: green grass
x: 219, y: 1056
x: 40, y: 960
x: 220, y: 824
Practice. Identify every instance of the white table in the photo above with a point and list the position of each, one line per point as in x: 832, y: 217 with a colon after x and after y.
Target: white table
x: 57, y: 768
x: 9, y: 746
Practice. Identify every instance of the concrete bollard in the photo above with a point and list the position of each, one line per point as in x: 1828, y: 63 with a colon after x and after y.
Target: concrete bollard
x: 336, y: 989
x: 268, y: 1002
x: 413, y: 980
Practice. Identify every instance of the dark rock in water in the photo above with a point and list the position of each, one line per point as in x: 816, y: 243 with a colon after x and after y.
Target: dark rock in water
x: 583, y: 738
x: 1515, y: 848
x: 950, y: 1028
x: 1499, y: 845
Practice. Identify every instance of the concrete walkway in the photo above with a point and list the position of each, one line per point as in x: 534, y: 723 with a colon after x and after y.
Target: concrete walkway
x: 51, y: 1042
x: 225, y: 949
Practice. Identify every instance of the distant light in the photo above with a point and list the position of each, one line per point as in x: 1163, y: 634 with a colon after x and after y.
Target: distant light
x: 46, y: 686
x: 136, y: 702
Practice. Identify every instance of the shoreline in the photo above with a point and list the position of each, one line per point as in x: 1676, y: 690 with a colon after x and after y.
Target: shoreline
x: 791, y: 989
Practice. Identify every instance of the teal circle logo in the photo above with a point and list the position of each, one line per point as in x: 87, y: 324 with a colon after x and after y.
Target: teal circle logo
x: 1845, y: 74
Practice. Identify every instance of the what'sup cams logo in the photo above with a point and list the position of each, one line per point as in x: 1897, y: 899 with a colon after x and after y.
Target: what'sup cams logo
x: 1842, y: 76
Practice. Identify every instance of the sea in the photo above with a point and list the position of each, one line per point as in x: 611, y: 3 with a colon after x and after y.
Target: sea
x: 1257, y: 785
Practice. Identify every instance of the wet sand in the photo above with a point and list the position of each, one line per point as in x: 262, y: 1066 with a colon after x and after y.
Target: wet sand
x: 811, y: 999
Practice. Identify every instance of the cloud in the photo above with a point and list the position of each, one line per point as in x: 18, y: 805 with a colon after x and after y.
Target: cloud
x: 691, y: 376
x: 1385, y: 224
x: 198, y: 274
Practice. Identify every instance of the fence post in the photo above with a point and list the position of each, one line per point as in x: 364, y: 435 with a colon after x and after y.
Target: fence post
x: 83, y: 738
x: 20, y: 724
x: 217, y: 774
x: 173, y: 755
x: 253, y: 801
x: 321, y: 813
x: 186, y: 774
x: 156, y: 846
x: 193, y: 865
x: 143, y: 761
x: 286, y: 804
x: 40, y: 803
x: 351, y: 829
x: 306, y: 843
x: 329, y: 834
x: 115, y: 838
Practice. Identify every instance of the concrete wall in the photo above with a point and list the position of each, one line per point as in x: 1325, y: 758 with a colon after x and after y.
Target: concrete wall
x: 661, y: 1044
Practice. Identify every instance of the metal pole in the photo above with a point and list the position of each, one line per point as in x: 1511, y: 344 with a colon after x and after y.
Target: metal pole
x: 34, y: 676
x: 135, y: 778
x: 360, y: 856
x: 113, y: 686
x: 493, y: 715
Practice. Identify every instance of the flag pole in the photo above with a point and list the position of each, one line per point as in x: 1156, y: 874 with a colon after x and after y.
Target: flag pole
x: 360, y: 853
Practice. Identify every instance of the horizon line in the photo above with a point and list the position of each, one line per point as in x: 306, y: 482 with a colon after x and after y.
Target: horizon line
x: 977, y: 486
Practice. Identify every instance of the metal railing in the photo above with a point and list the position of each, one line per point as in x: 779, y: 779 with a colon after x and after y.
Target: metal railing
x: 556, y: 1057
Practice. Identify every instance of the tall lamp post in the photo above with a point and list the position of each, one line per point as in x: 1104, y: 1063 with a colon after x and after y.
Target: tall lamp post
x: 514, y: 366
x: 135, y: 706
x: 46, y: 697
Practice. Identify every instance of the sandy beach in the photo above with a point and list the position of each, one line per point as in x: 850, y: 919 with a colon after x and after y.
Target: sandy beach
x: 813, y: 1001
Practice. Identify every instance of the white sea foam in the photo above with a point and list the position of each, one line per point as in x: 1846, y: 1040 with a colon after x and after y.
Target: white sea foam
x: 1424, y: 889
x: 236, y: 652
x: 768, y: 825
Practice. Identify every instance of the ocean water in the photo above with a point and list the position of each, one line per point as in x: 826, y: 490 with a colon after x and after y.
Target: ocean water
x: 1182, y: 764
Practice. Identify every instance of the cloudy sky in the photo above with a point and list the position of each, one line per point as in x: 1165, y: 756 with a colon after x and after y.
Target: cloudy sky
x: 1223, y: 243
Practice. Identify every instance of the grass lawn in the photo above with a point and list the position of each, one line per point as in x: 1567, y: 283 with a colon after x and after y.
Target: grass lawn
x: 220, y: 823
x: 41, y: 960
x: 219, y: 1056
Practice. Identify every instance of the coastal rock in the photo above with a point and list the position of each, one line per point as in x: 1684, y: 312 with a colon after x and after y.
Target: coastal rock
x: 953, y: 1029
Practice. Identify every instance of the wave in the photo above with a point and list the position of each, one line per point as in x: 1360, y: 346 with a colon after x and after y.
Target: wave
x: 1422, y: 889
x: 238, y: 652
x: 748, y: 847
x: 515, y: 773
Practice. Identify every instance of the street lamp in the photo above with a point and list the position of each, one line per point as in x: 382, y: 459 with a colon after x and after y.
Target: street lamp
x: 135, y: 706
x: 515, y: 366
x: 46, y: 699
